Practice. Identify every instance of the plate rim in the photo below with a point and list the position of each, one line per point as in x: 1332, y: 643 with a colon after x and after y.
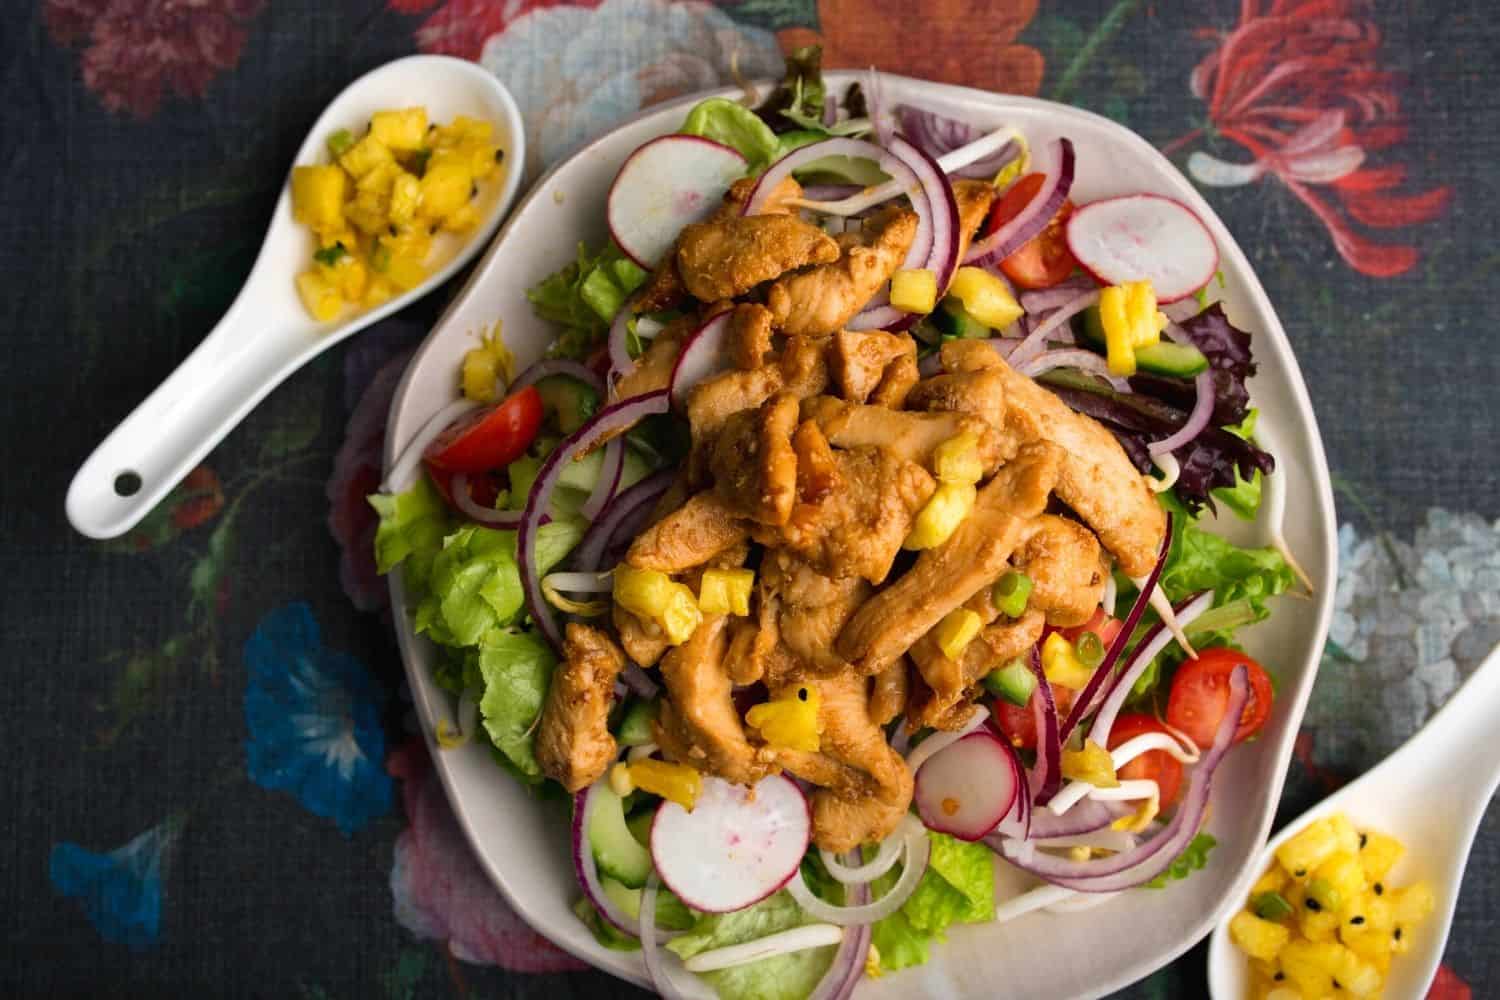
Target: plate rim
x: 628, y: 965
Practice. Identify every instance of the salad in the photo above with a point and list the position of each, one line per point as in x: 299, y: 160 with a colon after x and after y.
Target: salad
x: 852, y: 538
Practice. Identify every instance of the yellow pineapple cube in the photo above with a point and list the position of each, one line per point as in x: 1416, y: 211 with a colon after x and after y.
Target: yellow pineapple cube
x: 402, y: 130
x: 380, y: 179
x: 319, y: 296
x: 378, y: 291
x: 408, y: 242
x: 1274, y: 880
x: 1318, y: 926
x: 1356, y: 976
x: 1261, y: 939
x: 405, y: 273
x: 1379, y: 855
x: 1348, y: 837
x: 352, y: 277
x: 463, y: 220
x: 1312, y: 966
x: 1369, y: 943
x: 371, y: 222
x: 445, y: 188
x: 1344, y: 874
x: 1413, y: 904
x: 318, y: 197
x: 364, y: 156
x: 1308, y: 849
x: 406, y: 194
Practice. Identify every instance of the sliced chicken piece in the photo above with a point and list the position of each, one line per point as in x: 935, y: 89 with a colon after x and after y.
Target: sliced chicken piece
x: 858, y: 359
x: 981, y: 393
x: 689, y: 536
x: 941, y: 702
x: 800, y: 369
x: 817, y: 469
x: 653, y: 369
x: 740, y: 191
x: 573, y: 742
x: 822, y: 300
x: 908, y: 435
x: 752, y: 462
x: 1062, y: 558
x: 749, y: 335
x: 841, y: 820
x: 896, y: 384
x: 1098, y: 480
x: 946, y: 576
x: 663, y: 290
x: 703, y: 717
x: 644, y: 642
x: 974, y: 199
x: 751, y: 643
x: 888, y: 691
x: 813, y: 608
x: 857, y: 530
x: 726, y: 258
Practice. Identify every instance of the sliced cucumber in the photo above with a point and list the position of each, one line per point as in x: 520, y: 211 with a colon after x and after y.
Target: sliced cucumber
x: 671, y: 915
x: 584, y: 473
x: 953, y: 320
x: 569, y: 400
x: 639, y: 824
x: 842, y: 170
x: 616, y: 851
x: 1163, y: 358
x: 635, y: 727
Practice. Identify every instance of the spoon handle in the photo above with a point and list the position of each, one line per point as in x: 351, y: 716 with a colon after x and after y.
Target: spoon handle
x: 1461, y: 737
x: 249, y: 353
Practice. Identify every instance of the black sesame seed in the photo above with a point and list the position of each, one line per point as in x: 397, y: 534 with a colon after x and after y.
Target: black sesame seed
x: 499, y: 155
x: 1299, y: 872
x: 473, y: 190
x: 1336, y: 985
x: 1379, y: 889
x: 1363, y: 840
x: 1279, y: 976
x: 1356, y: 921
x: 392, y: 229
x: 1397, y: 934
x: 802, y: 694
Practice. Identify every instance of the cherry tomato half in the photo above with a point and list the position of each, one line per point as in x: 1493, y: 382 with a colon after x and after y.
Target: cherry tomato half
x: 1200, y: 695
x: 1101, y: 624
x: 1154, y: 765
x: 490, y: 438
x: 1045, y: 260
x: 1018, y: 725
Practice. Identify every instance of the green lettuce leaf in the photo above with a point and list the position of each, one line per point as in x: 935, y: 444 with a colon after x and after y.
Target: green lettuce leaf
x: 785, y: 977
x: 957, y: 888
x: 516, y: 668
x: 1243, y: 498
x: 734, y: 125
x: 411, y: 530
x: 584, y: 297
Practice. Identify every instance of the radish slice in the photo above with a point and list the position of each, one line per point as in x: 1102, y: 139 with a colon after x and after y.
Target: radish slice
x: 703, y: 355
x: 737, y: 846
x: 968, y: 788
x: 1144, y: 237
x: 666, y: 184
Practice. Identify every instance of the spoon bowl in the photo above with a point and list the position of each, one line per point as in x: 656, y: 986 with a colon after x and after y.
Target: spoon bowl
x: 267, y: 334
x: 1430, y: 794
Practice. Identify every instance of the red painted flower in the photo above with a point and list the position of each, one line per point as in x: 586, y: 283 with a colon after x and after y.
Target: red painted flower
x: 439, y: 890
x: 140, y: 49
x: 1298, y: 84
x: 1448, y: 985
x: 460, y: 27
x: 200, y: 498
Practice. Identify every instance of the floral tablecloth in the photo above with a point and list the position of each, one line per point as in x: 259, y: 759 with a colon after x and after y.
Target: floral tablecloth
x: 211, y: 781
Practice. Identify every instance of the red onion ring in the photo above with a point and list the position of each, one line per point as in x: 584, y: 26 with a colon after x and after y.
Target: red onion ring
x: 635, y: 679
x: 848, y: 964
x: 411, y: 456
x: 1147, y: 860
x: 612, y: 419
x: 937, y: 134
x: 558, y: 366
x: 1039, y: 301
x: 1037, y: 338
x: 610, y: 469
x: 1197, y: 421
x: 587, y: 870
x: 1046, y: 777
x: 858, y: 149
x: 596, y: 540
x: 930, y: 365
x: 1152, y: 643
x: 617, y: 340
x: 1073, y: 357
x: 1033, y: 218
x: 1083, y: 705
x: 702, y: 355
x: 465, y: 502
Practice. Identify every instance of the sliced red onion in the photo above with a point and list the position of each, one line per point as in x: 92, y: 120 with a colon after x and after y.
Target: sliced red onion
x: 1036, y: 340
x: 608, y: 483
x: 1152, y: 643
x: 829, y: 192
x: 1032, y: 219
x: 635, y: 679
x: 1093, y: 690
x: 1084, y: 817
x: 875, y: 107
x: 848, y: 964
x: 884, y: 860
x: 399, y: 476
x: 702, y: 355
x: 585, y: 867
x: 917, y: 851
x: 1046, y: 776
x: 930, y: 365
x: 612, y: 419
x: 938, y: 135
x: 632, y: 504
x: 558, y: 366
x: 1104, y: 838
x: 1072, y: 357
x: 1152, y: 857
x: 942, y: 740
x: 903, y: 179
x: 1181, y: 311
x: 1041, y: 300
x: 1197, y: 421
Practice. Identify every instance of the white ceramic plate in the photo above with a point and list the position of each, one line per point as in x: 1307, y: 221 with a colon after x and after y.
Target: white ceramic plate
x: 524, y: 846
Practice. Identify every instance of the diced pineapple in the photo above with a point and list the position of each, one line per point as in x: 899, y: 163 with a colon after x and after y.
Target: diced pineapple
x: 320, y: 297
x: 380, y: 179
x: 726, y: 591
x: 654, y: 596
x: 352, y: 277
x: 408, y: 242
x: 940, y: 517
x: 1356, y: 976
x: 790, y: 723
x: 1379, y: 854
x: 1369, y: 943
x: 1274, y: 880
x: 1284, y: 993
x: 378, y: 291
x: 1348, y: 837
x: 404, y: 130
x: 318, y: 197
x: 1308, y: 849
x: 1413, y: 904
x: 463, y: 220
x: 371, y: 223
x: 405, y: 273
x: 364, y: 156
x: 1343, y: 873
x: 406, y: 194
x: 1312, y: 966
x: 1260, y: 939
x: 1318, y: 926
x: 445, y: 188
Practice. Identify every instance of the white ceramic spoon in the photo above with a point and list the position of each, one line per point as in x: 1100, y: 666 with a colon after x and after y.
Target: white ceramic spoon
x: 267, y: 334
x: 1431, y: 793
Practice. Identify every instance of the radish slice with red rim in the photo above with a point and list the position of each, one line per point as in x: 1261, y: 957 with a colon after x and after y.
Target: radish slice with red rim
x: 666, y: 184
x: 737, y: 846
x: 966, y: 790
x: 702, y: 356
x: 1144, y: 237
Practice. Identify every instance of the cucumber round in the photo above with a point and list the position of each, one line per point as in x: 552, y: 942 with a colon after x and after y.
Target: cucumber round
x: 616, y: 851
x: 569, y: 400
x: 1162, y: 358
x: 635, y: 726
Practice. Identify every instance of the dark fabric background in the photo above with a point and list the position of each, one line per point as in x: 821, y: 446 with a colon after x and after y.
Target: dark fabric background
x: 124, y: 236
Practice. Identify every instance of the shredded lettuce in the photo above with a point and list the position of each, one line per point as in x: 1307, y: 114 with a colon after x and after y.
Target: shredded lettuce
x: 584, y: 297
x: 1192, y: 858
x: 411, y: 530
x: 784, y: 977
x: 958, y: 887
x: 516, y: 668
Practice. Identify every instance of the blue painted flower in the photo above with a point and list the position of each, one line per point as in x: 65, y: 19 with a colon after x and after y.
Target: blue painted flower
x: 314, y: 721
x: 121, y: 890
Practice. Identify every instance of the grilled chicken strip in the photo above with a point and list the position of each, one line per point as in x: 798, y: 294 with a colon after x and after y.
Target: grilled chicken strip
x: 908, y: 435
x: 698, y: 721
x: 942, y: 701
x: 1067, y: 575
x: 725, y: 258
x: 689, y: 536
x: 822, y: 300
x: 752, y: 462
x: 573, y: 742
x: 858, y: 360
